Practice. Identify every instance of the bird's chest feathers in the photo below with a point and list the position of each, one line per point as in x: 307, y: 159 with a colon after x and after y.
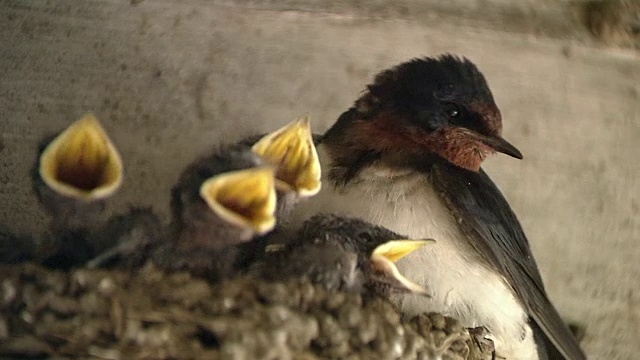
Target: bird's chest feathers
x: 461, y: 285
x: 406, y: 203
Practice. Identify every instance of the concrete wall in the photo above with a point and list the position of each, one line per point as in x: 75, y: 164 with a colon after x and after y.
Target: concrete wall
x: 169, y: 79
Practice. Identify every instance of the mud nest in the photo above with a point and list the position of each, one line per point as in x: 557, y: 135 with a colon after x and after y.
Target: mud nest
x: 104, y: 314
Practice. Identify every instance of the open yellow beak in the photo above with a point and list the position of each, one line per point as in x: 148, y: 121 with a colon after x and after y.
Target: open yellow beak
x: 82, y: 162
x: 395, y: 250
x: 245, y: 198
x: 291, y: 148
x: 384, y: 257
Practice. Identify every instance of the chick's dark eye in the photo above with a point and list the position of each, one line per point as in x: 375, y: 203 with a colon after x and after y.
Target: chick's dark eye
x: 366, y: 237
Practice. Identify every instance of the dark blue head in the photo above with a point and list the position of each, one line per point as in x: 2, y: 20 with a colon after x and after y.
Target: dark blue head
x: 439, y: 105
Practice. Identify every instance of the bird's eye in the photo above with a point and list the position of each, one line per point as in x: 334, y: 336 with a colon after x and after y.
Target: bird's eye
x: 366, y: 237
x: 453, y: 111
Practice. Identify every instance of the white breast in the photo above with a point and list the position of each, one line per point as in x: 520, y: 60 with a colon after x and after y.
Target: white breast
x: 460, y: 286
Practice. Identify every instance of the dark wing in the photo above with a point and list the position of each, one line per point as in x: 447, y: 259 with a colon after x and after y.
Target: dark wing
x: 486, y: 217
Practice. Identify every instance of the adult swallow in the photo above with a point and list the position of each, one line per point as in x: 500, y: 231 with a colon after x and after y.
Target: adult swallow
x: 407, y: 156
x: 75, y: 172
x: 345, y: 254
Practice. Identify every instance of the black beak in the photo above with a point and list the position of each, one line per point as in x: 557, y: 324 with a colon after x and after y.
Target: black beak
x: 501, y: 145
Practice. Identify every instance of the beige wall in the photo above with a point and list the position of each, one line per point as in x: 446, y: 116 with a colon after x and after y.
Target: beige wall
x: 169, y: 79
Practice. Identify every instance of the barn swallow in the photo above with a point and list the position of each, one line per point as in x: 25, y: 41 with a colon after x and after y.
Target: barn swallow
x: 407, y: 156
x: 345, y: 254
x: 75, y: 172
x: 221, y: 206
x: 292, y: 150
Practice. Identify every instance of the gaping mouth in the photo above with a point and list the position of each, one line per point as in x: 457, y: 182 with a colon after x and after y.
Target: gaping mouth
x: 386, y: 255
x: 82, y: 162
x: 245, y: 198
x: 292, y: 149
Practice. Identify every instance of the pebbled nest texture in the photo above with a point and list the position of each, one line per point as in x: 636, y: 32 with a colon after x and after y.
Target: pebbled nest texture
x: 107, y: 314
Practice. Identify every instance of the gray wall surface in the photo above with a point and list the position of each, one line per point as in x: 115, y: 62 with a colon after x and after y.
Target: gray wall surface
x: 170, y: 79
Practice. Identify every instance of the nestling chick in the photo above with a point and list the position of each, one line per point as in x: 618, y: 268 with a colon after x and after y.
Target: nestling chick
x: 221, y: 203
x: 74, y: 174
x: 225, y: 203
x: 345, y: 254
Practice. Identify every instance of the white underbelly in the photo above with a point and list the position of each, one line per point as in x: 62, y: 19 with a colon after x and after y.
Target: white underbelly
x: 461, y: 286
